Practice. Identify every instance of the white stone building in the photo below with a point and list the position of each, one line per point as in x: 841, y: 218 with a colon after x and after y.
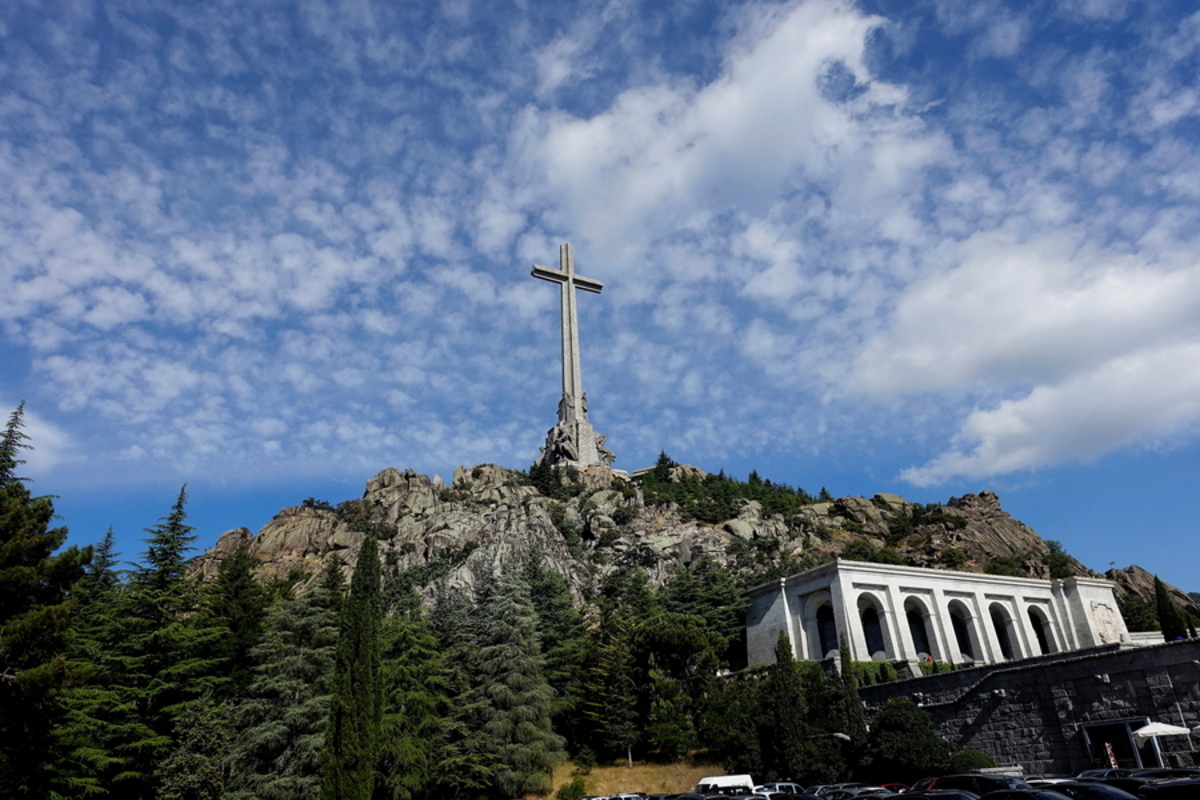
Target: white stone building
x: 912, y: 614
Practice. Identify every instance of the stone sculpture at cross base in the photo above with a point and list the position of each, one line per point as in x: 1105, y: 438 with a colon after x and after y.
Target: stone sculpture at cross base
x: 572, y: 441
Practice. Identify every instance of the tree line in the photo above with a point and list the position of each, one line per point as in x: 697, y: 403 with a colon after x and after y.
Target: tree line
x: 144, y: 682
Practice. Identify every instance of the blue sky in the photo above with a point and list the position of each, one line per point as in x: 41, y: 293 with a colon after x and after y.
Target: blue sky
x: 930, y: 248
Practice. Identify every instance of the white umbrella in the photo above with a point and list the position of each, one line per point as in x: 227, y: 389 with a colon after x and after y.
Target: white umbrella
x: 1159, y: 729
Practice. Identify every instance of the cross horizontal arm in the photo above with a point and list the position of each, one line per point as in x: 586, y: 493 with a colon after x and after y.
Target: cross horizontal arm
x: 558, y: 276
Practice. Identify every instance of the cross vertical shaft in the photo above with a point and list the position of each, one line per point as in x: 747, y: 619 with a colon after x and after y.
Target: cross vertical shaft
x: 572, y: 440
x: 572, y: 372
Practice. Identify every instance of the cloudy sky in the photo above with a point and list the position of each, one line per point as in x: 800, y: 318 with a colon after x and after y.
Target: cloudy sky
x: 268, y: 249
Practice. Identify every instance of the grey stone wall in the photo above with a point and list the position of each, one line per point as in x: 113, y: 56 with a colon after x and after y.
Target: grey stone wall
x: 1033, y: 713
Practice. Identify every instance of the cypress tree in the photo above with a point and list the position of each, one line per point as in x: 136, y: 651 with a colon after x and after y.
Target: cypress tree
x: 786, y: 749
x: 853, y: 717
x: 35, y: 615
x: 1174, y: 626
x: 355, y: 718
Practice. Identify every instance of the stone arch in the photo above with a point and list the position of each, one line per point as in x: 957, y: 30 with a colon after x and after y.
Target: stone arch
x: 821, y: 624
x: 875, y: 634
x: 1042, y: 632
x: 827, y: 634
x: 1006, y: 631
x: 966, y: 636
x: 918, y: 617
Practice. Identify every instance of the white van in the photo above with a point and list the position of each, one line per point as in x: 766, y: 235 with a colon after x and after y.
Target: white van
x: 726, y: 784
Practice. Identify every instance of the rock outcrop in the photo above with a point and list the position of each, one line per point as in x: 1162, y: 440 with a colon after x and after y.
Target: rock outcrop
x: 447, y: 535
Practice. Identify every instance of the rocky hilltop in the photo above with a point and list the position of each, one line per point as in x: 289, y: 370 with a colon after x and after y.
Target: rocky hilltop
x: 599, y: 520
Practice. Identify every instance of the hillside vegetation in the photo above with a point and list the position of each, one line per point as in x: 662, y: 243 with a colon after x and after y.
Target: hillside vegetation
x: 431, y: 641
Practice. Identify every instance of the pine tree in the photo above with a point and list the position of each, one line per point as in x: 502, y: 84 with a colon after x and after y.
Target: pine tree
x: 99, y: 728
x: 670, y: 733
x: 163, y: 648
x: 466, y: 764
x: 352, y: 739
x: 517, y: 699
x: 235, y: 604
x: 35, y: 616
x: 611, y: 704
x: 564, y: 641
x: 195, y: 769
x: 280, y: 725
x: 732, y: 726
x: 705, y: 590
x: 415, y: 702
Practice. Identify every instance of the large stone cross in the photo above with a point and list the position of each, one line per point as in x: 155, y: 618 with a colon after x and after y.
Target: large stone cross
x: 572, y: 441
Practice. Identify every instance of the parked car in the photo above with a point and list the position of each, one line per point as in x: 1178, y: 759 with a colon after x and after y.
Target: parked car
x: 941, y: 794
x: 1092, y: 790
x: 972, y: 782
x: 1135, y: 781
x: 1024, y: 794
x: 1171, y: 789
x: 824, y: 789
x: 1113, y: 772
x: 781, y: 787
x: 855, y: 792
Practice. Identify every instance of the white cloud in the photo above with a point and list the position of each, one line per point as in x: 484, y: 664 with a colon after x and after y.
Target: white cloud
x: 663, y: 153
x: 1142, y: 397
x: 1016, y: 313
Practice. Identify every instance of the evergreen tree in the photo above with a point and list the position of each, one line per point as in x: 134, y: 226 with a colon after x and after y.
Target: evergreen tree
x: 466, y: 763
x: 35, y: 616
x: 853, y: 717
x: 1138, y: 614
x: 164, y: 651
x: 236, y: 604
x: 733, y: 727
x: 281, y: 723
x: 786, y: 750
x: 98, y: 725
x: 705, y: 590
x: 1174, y: 625
x: 903, y: 744
x: 352, y: 739
x: 684, y: 652
x: 1057, y: 560
x: 670, y: 732
x: 195, y: 769
x: 415, y: 702
x: 516, y: 697
x: 611, y: 704
x: 564, y: 641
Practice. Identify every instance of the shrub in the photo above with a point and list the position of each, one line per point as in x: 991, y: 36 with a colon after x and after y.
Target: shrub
x: 571, y: 791
x: 954, y: 558
x: 1006, y: 565
x: 970, y: 761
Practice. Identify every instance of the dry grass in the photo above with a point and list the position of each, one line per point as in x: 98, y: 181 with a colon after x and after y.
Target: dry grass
x: 649, y: 778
